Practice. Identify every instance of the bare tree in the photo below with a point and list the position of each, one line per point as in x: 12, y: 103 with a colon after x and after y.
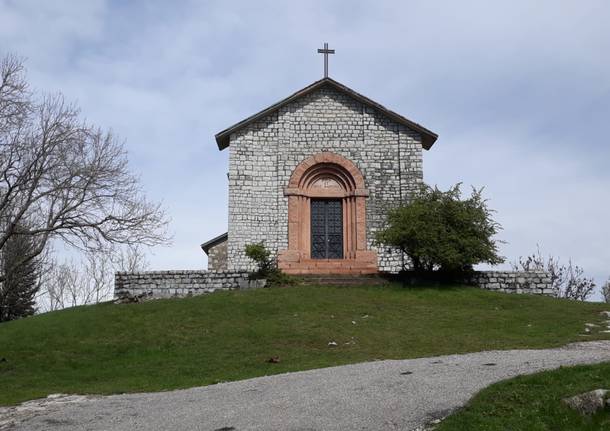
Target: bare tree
x: 14, y: 94
x: 64, y: 287
x: 131, y: 258
x: 606, y: 291
x: 89, y: 280
x: 568, y: 281
x: 52, y: 296
x: 63, y: 179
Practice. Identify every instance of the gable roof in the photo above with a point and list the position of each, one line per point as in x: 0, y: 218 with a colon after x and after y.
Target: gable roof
x: 428, y: 137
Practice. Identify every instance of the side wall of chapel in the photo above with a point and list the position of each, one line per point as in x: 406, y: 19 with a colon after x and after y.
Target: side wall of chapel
x: 263, y: 155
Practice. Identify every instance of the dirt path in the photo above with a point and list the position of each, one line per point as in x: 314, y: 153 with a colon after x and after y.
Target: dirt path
x: 384, y: 395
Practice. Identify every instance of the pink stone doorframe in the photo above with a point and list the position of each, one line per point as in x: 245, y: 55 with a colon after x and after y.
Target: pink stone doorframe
x: 327, y: 175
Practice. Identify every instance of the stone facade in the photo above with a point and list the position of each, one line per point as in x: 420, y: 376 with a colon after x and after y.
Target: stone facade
x: 217, y: 257
x: 264, y: 154
x: 167, y: 284
x: 531, y: 282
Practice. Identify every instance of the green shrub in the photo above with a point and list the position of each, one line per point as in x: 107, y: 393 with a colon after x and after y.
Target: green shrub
x: 266, y: 266
x: 262, y: 257
x: 277, y: 277
x: 439, y: 231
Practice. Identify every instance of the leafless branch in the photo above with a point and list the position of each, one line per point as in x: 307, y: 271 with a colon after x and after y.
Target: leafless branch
x: 61, y: 178
x: 89, y: 279
x: 606, y: 291
x: 568, y: 281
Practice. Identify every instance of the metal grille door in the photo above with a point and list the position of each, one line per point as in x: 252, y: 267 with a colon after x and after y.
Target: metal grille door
x: 326, y: 229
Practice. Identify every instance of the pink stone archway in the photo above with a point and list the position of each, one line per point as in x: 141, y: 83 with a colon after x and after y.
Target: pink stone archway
x: 327, y: 175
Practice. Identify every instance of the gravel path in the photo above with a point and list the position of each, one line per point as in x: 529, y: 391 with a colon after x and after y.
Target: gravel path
x: 384, y: 395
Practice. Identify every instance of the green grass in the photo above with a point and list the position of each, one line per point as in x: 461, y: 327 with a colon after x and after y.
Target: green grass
x: 533, y: 403
x: 178, y: 343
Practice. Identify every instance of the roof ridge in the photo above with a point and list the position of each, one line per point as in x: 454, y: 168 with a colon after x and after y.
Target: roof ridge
x: 428, y: 137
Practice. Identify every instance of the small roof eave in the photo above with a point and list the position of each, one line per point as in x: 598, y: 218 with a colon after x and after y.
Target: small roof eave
x: 206, y: 246
x: 428, y: 137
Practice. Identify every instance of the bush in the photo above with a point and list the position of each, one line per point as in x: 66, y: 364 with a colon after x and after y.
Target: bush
x: 439, y: 231
x: 266, y: 266
x: 568, y: 281
x: 606, y: 291
x: 262, y: 257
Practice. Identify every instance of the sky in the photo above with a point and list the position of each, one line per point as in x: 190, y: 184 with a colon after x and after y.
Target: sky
x: 518, y: 92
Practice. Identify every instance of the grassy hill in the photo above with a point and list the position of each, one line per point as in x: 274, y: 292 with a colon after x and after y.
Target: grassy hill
x: 533, y: 402
x: 178, y: 343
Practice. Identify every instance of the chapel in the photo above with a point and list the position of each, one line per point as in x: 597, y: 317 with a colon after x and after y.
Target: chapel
x: 313, y: 177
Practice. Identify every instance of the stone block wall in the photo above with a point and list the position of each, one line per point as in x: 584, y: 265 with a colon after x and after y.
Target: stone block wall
x: 263, y: 155
x: 167, y: 284
x: 532, y: 282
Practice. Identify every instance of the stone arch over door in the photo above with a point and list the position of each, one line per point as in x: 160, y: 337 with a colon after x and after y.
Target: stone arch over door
x: 327, y: 176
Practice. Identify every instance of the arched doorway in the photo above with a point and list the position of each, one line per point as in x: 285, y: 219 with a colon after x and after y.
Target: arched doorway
x: 327, y: 218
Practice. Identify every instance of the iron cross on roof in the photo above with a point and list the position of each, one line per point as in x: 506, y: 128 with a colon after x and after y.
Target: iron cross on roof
x: 326, y: 51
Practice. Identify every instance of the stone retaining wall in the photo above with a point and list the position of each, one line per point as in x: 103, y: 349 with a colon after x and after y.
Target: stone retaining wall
x: 167, y: 284
x: 532, y: 282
